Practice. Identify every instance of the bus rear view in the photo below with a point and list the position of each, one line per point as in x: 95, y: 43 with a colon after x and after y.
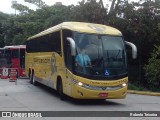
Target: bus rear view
x: 14, y: 57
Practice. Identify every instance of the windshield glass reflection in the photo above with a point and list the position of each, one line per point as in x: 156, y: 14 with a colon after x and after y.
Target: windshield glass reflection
x: 100, y: 55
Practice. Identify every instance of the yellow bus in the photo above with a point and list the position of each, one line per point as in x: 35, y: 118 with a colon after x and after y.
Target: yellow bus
x: 80, y: 60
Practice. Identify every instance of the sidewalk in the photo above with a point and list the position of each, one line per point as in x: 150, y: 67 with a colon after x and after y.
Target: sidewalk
x: 144, y: 93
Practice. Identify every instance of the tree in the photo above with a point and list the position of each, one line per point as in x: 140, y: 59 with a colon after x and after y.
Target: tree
x: 101, y: 3
x: 18, y: 28
x: 38, y: 3
x: 21, y: 8
x: 54, y: 15
x: 90, y: 11
x: 152, y: 69
x: 3, y: 21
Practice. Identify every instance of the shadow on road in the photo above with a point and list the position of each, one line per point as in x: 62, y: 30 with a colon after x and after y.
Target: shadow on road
x: 94, y: 102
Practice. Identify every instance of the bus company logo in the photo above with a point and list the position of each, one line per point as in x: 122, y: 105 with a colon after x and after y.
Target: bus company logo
x: 40, y: 60
x: 96, y: 83
x: 96, y: 27
x: 99, y: 83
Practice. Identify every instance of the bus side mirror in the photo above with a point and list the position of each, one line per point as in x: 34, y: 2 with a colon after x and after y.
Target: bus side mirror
x: 72, y: 45
x: 134, y: 49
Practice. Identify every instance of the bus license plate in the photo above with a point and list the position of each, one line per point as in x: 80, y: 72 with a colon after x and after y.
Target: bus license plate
x: 103, y: 94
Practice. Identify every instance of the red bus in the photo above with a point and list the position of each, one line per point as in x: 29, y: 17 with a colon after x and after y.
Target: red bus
x: 13, y: 57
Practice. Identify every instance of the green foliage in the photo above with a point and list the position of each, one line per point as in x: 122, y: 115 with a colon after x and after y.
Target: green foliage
x: 3, y: 18
x: 55, y: 14
x: 90, y: 11
x: 132, y: 86
x: 21, y: 8
x: 38, y: 3
x: 152, y: 69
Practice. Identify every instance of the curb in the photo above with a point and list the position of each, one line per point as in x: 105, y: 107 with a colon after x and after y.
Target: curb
x: 143, y: 93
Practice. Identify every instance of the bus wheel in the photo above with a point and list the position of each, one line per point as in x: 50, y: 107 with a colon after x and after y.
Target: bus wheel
x: 31, y: 78
x: 60, y: 90
x: 35, y: 83
x: 29, y: 74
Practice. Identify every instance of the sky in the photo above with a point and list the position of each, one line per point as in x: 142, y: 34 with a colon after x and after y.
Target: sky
x: 5, y: 5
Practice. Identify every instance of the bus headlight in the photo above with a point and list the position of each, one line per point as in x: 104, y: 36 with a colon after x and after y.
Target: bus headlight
x: 124, y: 85
x: 77, y: 82
x: 80, y: 84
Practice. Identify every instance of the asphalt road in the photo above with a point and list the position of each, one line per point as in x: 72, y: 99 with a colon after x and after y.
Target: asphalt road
x: 23, y: 96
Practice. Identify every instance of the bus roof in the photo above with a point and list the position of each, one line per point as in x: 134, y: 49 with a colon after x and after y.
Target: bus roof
x: 81, y: 27
x: 15, y: 47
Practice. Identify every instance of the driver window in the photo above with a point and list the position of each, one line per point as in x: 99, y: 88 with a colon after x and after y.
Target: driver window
x: 67, y: 49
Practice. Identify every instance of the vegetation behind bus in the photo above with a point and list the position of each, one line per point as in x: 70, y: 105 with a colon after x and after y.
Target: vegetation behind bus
x: 139, y: 24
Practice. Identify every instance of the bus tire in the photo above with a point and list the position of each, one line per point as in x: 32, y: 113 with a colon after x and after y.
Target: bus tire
x: 31, y: 78
x: 35, y: 83
x: 29, y: 74
x: 60, y: 90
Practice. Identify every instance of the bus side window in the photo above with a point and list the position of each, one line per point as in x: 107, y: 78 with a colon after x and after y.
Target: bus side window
x: 48, y: 43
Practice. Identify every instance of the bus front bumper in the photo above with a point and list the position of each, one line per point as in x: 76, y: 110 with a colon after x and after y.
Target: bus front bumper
x: 80, y: 92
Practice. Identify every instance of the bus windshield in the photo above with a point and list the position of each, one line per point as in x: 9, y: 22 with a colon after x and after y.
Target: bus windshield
x: 100, y: 55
